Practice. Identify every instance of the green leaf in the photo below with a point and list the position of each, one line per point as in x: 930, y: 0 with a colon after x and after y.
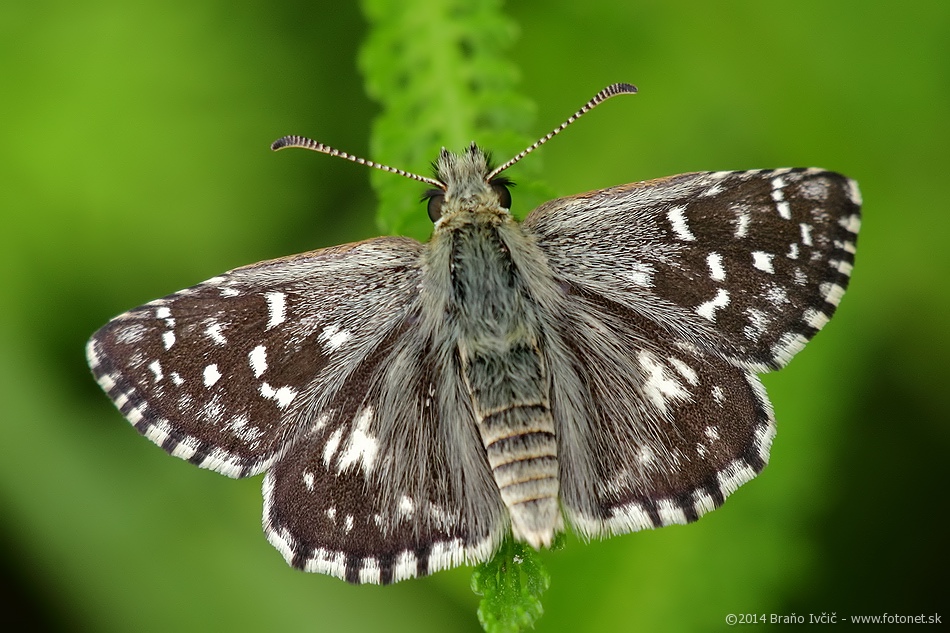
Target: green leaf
x: 511, y: 585
x: 438, y: 71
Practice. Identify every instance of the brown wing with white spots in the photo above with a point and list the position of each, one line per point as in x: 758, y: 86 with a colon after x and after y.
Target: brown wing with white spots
x: 749, y: 265
x: 392, y: 482
x: 679, y: 290
x: 230, y: 373
x: 651, y: 431
x: 313, y: 368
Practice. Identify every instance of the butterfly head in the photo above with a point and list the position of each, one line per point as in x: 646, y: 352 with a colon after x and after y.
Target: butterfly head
x: 465, y: 186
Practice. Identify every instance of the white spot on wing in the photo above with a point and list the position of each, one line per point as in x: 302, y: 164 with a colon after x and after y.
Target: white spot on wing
x: 640, y: 274
x: 815, y: 318
x: 716, y: 271
x: 211, y: 375
x: 685, y: 370
x: 677, y: 219
x: 831, y: 292
x: 156, y: 368
x: 405, y: 566
x: 806, y: 233
x: 361, y: 447
x: 276, y: 308
x: 763, y: 261
x: 168, y: 339
x: 742, y: 222
x: 370, y: 573
x: 854, y: 194
x: 658, y: 384
x: 778, y: 195
x: 334, y: 337
x: 406, y: 506
x: 851, y: 223
x: 330, y: 447
x: 106, y: 381
x: 708, y: 309
x: 784, y: 210
x: 758, y: 321
x: 283, y: 396
x: 776, y: 295
x: 258, y: 360
x: 214, y: 333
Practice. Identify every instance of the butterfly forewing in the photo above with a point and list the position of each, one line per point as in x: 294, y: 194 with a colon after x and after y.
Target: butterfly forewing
x: 310, y: 366
x: 680, y: 289
x: 749, y: 264
x: 227, y: 374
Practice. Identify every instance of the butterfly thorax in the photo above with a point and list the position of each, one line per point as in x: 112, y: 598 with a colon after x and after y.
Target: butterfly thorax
x: 496, y: 324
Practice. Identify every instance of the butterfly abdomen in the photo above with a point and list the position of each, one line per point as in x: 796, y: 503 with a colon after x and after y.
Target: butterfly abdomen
x: 497, y: 326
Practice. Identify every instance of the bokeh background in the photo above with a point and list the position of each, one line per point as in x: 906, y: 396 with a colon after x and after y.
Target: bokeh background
x: 134, y: 162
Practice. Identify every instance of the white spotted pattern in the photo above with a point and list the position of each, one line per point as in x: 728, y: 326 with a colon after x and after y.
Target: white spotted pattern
x: 214, y: 332
x: 276, y: 308
x: 716, y: 271
x: 334, y: 337
x: 211, y: 375
x: 677, y: 218
x: 349, y: 410
x: 763, y: 261
x: 708, y: 309
x: 659, y: 385
x: 258, y: 360
x: 778, y: 195
x: 361, y: 447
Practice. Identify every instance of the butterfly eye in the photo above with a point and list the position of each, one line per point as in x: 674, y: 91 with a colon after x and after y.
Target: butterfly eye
x: 504, y: 196
x: 436, y: 198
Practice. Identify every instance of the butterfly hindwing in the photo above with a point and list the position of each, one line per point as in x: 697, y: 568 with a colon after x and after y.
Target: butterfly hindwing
x: 375, y: 471
x: 391, y: 482
x: 680, y: 290
x: 653, y: 431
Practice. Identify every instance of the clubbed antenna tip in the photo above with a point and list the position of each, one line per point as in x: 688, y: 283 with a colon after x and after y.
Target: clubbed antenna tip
x: 610, y: 91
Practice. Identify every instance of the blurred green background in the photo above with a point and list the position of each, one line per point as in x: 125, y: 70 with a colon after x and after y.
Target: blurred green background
x: 134, y: 162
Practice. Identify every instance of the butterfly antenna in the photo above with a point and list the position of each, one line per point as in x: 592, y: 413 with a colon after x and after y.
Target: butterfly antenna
x: 608, y: 92
x: 306, y: 143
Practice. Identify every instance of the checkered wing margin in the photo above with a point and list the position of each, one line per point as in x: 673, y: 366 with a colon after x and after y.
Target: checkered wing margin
x: 309, y: 367
x: 684, y: 289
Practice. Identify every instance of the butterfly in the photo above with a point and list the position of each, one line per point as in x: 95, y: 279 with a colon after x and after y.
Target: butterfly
x: 592, y: 368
